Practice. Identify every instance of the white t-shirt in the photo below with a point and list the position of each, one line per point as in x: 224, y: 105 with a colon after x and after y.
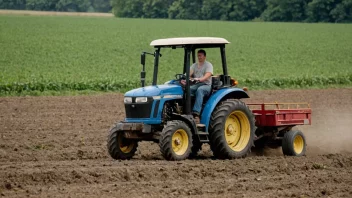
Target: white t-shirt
x: 200, y: 72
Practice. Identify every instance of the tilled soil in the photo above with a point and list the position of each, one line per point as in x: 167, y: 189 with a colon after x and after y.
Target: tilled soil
x: 53, y: 13
x: 56, y: 147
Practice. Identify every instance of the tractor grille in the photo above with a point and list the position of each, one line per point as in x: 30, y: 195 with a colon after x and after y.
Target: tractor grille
x: 139, y: 110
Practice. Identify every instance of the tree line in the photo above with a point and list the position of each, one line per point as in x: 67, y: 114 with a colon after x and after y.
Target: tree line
x: 336, y: 11
x: 237, y: 10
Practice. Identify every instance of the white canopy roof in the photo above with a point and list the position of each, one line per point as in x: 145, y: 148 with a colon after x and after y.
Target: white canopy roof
x: 188, y: 40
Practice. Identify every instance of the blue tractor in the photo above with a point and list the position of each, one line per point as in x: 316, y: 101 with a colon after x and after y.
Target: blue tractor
x: 162, y: 113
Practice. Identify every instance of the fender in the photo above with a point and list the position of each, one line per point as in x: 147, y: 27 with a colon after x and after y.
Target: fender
x: 222, y: 94
x: 188, y: 119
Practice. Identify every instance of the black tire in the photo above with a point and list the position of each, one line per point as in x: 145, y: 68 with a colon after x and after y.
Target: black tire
x: 218, y: 143
x: 294, y: 143
x: 176, y: 141
x: 119, y: 147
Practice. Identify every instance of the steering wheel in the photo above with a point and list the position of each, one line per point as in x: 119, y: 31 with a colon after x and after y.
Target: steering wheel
x: 180, y: 77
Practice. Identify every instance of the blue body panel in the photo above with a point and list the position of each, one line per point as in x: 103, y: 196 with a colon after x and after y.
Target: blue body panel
x: 143, y: 120
x: 171, y: 91
x: 212, y: 102
x: 152, y: 120
x: 157, y: 90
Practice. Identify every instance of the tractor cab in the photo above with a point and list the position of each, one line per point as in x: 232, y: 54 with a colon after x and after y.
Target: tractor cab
x: 162, y: 112
x: 189, y: 45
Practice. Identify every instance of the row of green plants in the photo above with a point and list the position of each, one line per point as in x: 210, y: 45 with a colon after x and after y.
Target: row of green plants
x: 16, y: 88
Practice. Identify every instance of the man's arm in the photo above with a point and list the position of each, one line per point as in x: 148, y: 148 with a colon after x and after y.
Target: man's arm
x: 191, y: 71
x: 205, y: 77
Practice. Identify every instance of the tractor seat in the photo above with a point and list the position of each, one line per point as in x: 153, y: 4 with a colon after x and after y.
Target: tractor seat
x: 216, y: 83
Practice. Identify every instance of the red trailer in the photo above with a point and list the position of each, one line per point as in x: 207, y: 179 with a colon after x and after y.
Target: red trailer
x: 275, y: 122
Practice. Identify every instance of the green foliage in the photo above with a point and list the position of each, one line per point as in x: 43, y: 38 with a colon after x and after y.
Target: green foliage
x: 41, y: 86
x: 241, y: 10
x: 330, y: 11
x: 48, y: 5
x: 125, y: 85
x: 300, y: 81
x: 101, y: 5
x: 155, y: 9
x: 215, y: 9
x: 185, y: 9
x: 285, y: 10
x: 63, y: 54
x: 244, y: 10
x: 342, y: 12
x: 319, y: 10
x: 129, y: 9
x: 227, y: 10
x: 238, y: 10
x: 73, y: 5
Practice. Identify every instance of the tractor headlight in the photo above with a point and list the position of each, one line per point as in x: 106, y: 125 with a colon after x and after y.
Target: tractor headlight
x: 141, y: 99
x: 127, y: 100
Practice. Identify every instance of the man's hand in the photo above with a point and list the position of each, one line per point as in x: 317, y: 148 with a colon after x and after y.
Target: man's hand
x: 183, y: 82
x: 194, y: 80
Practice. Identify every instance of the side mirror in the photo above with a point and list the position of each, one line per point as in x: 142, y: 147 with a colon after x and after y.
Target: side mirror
x: 143, y: 58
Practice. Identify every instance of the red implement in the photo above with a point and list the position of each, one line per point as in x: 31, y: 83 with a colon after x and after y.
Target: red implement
x: 281, y: 114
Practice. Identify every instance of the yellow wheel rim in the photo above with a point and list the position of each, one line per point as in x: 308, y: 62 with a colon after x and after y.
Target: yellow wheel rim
x: 125, y: 145
x: 237, y: 131
x: 180, y: 142
x: 298, y: 144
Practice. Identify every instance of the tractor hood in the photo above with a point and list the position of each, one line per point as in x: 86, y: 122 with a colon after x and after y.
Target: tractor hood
x: 158, y: 90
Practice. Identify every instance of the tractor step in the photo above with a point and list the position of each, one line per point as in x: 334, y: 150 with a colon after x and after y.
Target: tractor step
x: 200, y: 125
x: 203, y: 136
x: 202, y: 133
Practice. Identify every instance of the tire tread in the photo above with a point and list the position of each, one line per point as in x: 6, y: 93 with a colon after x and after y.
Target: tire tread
x: 218, y: 142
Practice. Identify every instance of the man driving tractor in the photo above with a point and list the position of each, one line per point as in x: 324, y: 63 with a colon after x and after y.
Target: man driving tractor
x: 163, y: 113
x: 201, y: 72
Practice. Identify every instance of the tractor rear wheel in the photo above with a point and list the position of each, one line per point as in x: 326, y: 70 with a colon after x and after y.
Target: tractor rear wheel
x: 176, y: 141
x: 119, y: 147
x: 294, y: 143
x: 231, y: 130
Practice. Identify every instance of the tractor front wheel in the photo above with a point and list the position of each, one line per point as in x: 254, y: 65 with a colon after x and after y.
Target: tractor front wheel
x: 176, y: 141
x: 119, y: 147
x: 294, y: 143
x: 231, y: 130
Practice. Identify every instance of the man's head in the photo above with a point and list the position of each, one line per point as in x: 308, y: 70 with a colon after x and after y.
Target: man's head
x: 201, y: 56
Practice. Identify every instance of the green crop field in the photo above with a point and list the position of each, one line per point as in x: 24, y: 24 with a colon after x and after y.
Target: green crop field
x: 68, y: 53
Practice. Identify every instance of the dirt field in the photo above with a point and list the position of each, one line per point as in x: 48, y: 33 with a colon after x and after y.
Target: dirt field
x: 52, y: 13
x: 56, y: 147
